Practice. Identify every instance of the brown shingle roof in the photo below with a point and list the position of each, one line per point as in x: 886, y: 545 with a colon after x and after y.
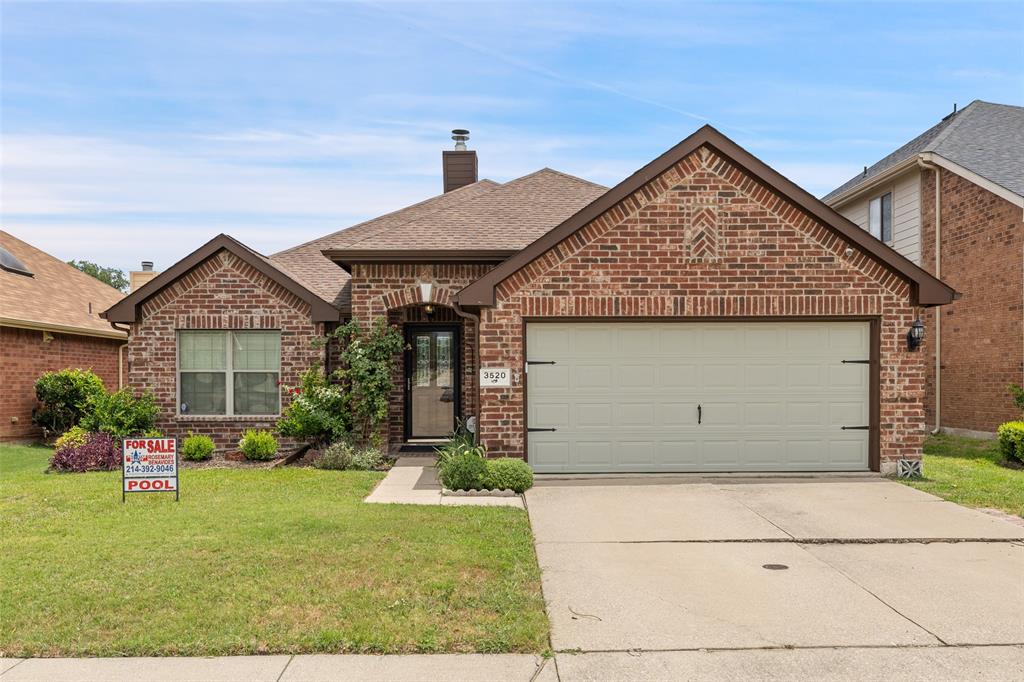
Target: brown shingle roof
x: 508, y: 217
x: 56, y: 297
x: 328, y: 280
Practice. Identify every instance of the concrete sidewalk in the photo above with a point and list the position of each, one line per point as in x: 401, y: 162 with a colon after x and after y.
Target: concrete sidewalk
x: 848, y: 664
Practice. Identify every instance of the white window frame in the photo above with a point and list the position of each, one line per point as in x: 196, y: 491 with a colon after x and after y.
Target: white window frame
x: 881, y: 217
x: 229, y: 375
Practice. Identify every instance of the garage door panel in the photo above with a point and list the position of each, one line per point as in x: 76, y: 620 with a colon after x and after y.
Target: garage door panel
x: 624, y: 396
x: 635, y: 375
x: 635, y: 414
x: 591, y: 376
x: 678, y: 340
x: 678, y: 376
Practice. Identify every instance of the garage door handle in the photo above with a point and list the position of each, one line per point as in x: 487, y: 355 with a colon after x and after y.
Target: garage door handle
x: 699, y: 410
x: 855, y: 428
x: 856, y: 362
x: 532, y: 430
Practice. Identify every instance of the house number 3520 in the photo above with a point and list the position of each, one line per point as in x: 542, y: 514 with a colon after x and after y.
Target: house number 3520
x: 500, y: 376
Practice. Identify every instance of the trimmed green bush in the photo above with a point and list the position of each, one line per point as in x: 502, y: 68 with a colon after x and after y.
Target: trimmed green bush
x: 122, y: 414
x: 197, y: 447
x: 463, y: 470
x: 74, y: 437
x: 65, y: 397
x: 1011, y: 440
x: 337, y: 456
x: 508, y: 473
x: 258, y: 446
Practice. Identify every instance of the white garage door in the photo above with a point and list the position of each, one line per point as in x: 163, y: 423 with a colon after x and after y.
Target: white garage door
x: 716, y: 396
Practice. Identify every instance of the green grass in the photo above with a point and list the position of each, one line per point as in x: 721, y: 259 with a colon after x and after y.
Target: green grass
x: 971, y: 472
x: 254, y: 561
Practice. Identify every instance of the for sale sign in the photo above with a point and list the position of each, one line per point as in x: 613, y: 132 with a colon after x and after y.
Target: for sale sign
x: 149, y: 465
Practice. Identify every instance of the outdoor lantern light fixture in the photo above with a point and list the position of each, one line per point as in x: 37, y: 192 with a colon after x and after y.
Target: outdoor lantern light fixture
x: 426, y: 288
x: 916, y: 335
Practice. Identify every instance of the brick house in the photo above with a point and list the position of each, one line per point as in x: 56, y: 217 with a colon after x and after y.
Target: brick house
x: 952, y: 201
x: 705, y: 314
x: 49, y: 320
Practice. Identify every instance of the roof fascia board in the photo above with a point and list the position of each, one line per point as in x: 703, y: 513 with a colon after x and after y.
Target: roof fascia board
x: 927, y: 290
x: 61, y: 329
x: 126, y: 310
x: 348, y: 257
x: 868, y: 185
x: 970, y: 175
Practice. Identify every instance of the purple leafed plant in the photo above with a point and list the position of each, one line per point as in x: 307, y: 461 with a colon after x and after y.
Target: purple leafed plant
x: 99, y: 453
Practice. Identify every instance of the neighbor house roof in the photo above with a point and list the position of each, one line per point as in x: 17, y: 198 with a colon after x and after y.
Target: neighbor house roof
x: 984, y: 138
x: 321, y: 310
x: 55, y: 297
x: 928, y: 289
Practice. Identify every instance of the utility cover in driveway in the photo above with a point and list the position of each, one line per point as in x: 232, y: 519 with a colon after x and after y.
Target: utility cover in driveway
x: 715, y: 396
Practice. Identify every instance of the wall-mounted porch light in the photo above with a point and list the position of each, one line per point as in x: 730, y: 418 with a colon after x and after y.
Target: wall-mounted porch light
x: 426, y: 289
x: 915, y: 337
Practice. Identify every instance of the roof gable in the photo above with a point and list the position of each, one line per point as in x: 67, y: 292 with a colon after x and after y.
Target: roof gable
x: 127, y: 309
x: 929, y: 290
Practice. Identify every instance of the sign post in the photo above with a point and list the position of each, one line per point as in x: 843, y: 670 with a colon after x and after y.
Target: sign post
x: 149, y: 465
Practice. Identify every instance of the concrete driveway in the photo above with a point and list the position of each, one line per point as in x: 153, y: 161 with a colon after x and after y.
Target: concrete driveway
x: 827, y: 566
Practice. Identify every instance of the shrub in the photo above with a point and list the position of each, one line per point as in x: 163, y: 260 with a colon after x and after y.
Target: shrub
x: 76, y: 436
x: 122, y: 414
x: 99, y: 452
x: 464, y: 470
x: 197, y: 447
x: 508, y: 473
x: 1011, y: 440
x: 258, y: 446
x: 1017, y: 392
x: 367, y: 459
x: 366, y: 362
x: 317, y: 412
x: 337, y: 456
x: 65, y: 397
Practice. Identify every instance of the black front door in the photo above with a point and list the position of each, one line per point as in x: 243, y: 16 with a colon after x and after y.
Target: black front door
x: 431, y: 381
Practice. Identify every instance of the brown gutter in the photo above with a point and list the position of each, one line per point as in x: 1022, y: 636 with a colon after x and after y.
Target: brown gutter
x: 927, y: 290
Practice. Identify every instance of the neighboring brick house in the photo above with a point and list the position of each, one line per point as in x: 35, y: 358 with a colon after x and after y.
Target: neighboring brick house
x: 49, y: 320
x: 976, y: 157
x: 703, y: 315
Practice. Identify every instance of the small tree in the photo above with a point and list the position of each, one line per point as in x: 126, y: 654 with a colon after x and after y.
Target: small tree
x: 366, y: 374
x: 112, y: 276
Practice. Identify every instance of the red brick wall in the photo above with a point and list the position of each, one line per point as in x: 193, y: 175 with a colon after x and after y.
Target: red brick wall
x: 223, y: 292
x: 24, y: 356
x: 393, y: 290
x: 982, y: 333
x: 705, y: 240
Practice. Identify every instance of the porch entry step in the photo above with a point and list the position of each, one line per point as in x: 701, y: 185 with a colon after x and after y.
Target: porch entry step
x: 421, y: 448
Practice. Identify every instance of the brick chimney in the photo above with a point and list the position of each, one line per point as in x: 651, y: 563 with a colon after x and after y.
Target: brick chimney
x: 459, y: 164
x: 139, y: 277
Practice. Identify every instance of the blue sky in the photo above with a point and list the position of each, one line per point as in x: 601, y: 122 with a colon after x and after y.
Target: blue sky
x: 138, y: 130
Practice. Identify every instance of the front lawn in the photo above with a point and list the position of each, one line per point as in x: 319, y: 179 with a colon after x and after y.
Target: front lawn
x: 970, y: 472
x: 254, y: 561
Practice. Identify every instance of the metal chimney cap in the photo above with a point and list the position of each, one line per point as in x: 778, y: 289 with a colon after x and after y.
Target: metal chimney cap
x: 461, y: 136
x: 147, y: 265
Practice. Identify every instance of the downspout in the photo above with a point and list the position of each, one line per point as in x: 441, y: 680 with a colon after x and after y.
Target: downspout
x: 120, y: 355
x: 927, y: 165
x: 476, y: 363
